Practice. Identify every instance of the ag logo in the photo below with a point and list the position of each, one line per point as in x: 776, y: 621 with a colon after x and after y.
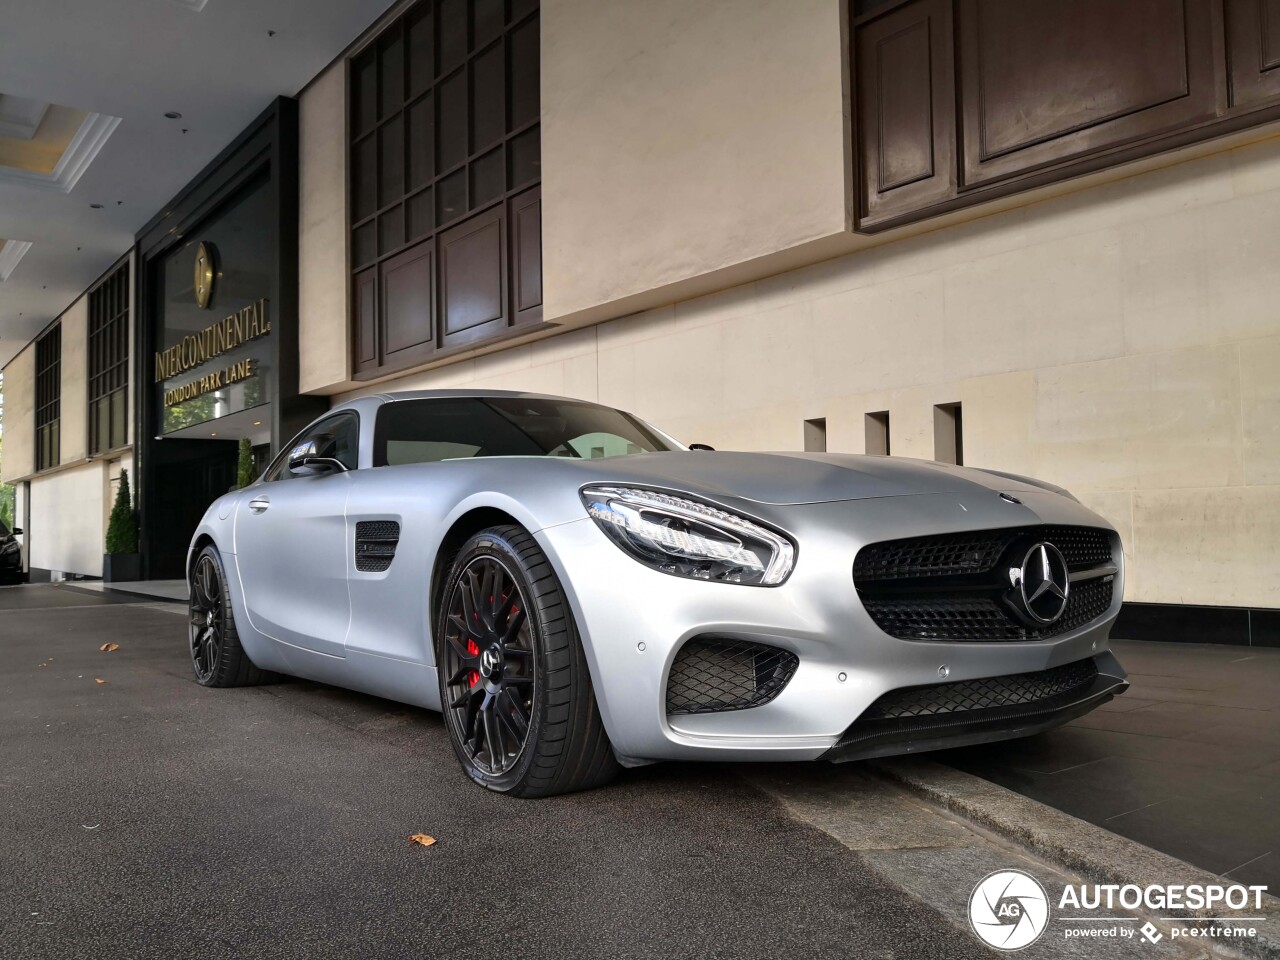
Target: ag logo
x: 1009, y: 910
x: 202, y: 282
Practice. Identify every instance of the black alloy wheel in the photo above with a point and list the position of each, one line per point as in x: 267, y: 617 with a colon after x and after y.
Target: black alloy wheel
x: 206, y: 618
x: 489, y: 664
x: 515, y: 688
x: 217, y: 659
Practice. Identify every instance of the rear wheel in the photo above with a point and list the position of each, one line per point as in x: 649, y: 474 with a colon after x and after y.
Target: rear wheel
x: 217, y: 659
x: 514, y: 684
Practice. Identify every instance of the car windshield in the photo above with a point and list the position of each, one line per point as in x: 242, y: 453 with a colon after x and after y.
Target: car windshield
x: 425, y: 431
x: 4, y: 531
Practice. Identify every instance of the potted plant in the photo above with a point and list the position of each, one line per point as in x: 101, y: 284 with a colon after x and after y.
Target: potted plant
x: 244, y: 469
x: 121, y: 561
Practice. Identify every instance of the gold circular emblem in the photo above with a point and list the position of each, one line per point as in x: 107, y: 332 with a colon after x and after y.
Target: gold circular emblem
x: 203, y: 281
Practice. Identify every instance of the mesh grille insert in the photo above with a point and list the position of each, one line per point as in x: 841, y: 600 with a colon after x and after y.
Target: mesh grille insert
x: 942, y: 617
x: 376, y: 544
x: 983, y: 694
x: 711, y: 675
x: 958, y: 553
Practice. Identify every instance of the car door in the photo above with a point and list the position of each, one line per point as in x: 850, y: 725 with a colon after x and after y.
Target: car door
x: 291, y: 543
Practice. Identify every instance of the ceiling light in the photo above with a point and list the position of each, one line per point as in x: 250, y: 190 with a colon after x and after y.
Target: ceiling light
x: 173, y: 115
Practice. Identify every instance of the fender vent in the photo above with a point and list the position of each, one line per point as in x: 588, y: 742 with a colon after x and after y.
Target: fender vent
x: 376, y: 544
x: 710, y: 675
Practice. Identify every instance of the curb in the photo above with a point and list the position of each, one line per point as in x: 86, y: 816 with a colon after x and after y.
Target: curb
x: 1091, y: 852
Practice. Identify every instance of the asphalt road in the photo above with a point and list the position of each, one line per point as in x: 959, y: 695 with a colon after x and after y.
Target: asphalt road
x: 149, y: 817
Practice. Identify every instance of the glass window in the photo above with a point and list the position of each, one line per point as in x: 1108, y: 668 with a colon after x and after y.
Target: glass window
x: 337, y: 437
x: 426, y: 431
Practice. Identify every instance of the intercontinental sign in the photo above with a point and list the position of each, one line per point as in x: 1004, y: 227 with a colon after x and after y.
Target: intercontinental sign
x: 211, y: 342
x: 216, y: 339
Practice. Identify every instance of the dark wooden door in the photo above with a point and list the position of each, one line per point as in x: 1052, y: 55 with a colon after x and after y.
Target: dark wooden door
x: 1253, y: 49
x: 1043, y: 81
x: 906, y: 109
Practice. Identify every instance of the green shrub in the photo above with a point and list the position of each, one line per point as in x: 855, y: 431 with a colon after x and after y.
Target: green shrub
x: 122, y: 529
x: 244, y: 471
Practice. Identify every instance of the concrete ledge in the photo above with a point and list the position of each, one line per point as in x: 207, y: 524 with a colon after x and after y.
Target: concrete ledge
x: 1089, y: 851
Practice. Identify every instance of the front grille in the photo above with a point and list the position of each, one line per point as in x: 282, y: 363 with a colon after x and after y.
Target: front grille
x: 1015, y: 690
x: 950, y: 554
x: 942, y: 617
x: 710, y: 675
x: 956, y: 587
x: 376, y: 544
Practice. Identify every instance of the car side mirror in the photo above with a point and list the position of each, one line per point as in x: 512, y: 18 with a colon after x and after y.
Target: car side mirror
x: 702, y: 446
x: 305, y: 461
x: 17, y: 531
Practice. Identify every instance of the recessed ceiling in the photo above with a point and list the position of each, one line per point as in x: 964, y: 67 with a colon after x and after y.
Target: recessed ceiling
x: 89, y: 85
x: 46, y: 145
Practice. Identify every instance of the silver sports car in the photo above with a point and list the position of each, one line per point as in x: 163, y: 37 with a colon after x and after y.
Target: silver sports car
x: 576, y: 590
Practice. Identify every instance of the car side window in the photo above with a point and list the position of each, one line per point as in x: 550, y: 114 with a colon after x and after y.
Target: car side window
x: 337, y: 437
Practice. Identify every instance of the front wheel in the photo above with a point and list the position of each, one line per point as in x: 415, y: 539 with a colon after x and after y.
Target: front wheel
x: 514, y: 684
x: 217, y: 659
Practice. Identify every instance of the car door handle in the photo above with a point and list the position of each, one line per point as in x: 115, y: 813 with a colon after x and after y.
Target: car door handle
x: 259, y: 504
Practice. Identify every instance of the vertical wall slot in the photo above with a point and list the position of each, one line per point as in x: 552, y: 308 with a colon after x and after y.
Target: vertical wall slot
x: 877, y: 429
x: 948, y: 434
x: 815, y: 435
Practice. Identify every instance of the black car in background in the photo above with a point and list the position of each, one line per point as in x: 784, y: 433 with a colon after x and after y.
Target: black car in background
x: 10, y: 554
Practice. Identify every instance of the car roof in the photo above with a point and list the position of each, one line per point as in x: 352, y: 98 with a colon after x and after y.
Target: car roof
x: 454, y: 394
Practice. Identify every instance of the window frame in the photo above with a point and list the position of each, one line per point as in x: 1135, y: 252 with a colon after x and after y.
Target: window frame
x: 397, y: 84
x: 107, y: 356
x: 48, y: 399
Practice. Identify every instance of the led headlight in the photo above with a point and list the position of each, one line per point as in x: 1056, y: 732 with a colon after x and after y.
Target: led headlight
x: 686, y: 538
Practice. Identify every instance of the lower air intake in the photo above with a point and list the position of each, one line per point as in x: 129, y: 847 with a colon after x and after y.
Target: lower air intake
x: 711, y: 675
x: 1019, y: 689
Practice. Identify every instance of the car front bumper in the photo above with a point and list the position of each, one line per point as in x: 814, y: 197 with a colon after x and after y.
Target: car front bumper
x: 634, y: 620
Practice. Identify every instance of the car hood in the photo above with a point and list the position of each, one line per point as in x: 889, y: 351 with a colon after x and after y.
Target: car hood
x: 798, y: 478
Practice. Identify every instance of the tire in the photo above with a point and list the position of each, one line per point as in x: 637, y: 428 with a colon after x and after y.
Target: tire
x: 217, y: 659
x: 515, y: 689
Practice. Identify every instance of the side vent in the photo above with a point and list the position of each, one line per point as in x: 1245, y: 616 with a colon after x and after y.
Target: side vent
x: 376, y: 544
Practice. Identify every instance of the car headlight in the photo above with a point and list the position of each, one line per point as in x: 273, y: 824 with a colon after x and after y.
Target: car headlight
x: 686, y: 538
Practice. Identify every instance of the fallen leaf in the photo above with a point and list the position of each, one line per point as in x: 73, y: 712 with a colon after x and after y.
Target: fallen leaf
x: 108, y: 647
x: 422, y: 838
x: 98, y: 680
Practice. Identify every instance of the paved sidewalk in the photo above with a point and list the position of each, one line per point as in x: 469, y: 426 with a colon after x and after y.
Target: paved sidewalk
x: 1187, y: 761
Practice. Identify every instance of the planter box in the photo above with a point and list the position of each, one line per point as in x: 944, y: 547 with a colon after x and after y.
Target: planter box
x: 121, y: 567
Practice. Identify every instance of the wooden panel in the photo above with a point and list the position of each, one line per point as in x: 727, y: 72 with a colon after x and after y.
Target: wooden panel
x: 473, y: 279
x: 1253, y: 48
x: 1044, y: 81
x: 526, y: 256
x: 407, y: 331
x: 905, y: 107
x: 366, y: 319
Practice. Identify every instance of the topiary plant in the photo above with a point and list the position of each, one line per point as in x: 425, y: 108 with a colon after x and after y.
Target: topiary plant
x: 244, y: 471
x: 122, y: 529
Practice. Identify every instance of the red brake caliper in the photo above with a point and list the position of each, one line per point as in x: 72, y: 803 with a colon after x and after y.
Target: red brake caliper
x: 473, y: 677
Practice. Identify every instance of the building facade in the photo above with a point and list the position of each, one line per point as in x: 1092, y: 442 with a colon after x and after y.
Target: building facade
x: 1036, y: 241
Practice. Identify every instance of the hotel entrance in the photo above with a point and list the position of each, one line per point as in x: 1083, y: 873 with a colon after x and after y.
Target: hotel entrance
x: 217, y: 351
